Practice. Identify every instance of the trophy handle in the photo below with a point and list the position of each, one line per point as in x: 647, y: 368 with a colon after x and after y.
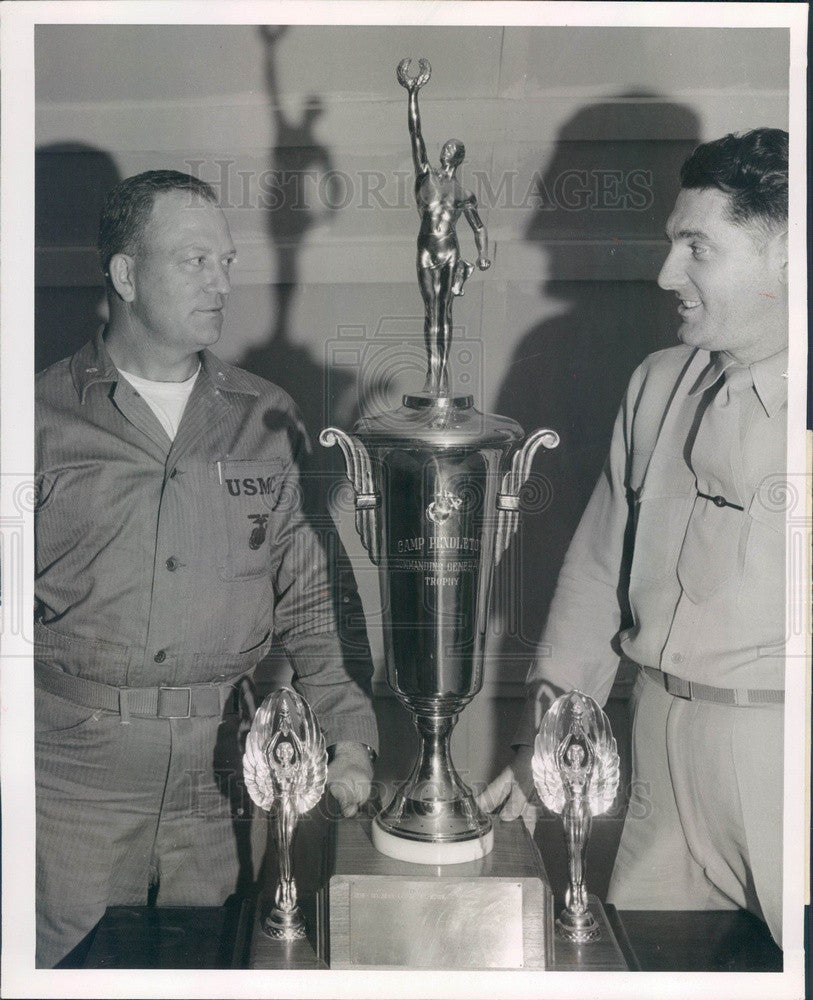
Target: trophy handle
x: 513, y: 481
x: 368, y: 499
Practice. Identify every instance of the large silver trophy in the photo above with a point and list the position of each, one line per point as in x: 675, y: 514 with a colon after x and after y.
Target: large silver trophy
x: 437, y: 497
x: 284, y: 769
x: 575, y: 767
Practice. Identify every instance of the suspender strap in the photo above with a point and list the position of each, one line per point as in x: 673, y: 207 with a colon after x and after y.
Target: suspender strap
x: 194, y: 700
x: 720, y: 501
x: 693, y: 691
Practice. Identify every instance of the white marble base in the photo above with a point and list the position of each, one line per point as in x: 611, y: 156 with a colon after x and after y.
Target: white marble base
x: 417, y: 853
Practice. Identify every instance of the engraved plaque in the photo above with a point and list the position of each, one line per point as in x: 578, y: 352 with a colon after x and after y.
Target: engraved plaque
x: 493, y: 913
x: 452, y: 924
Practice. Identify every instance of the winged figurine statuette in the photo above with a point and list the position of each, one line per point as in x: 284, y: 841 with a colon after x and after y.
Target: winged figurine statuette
x: 285, y: 769
x: 576, y: 768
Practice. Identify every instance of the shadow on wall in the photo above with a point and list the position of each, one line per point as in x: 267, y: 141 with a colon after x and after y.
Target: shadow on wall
x: 603, y: 199
x: 299, y: 164
x: 71, y: 181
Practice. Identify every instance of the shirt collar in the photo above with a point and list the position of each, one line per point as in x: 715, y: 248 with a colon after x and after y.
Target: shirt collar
x: 717, y: 364
x: 226, y: 378
x: 92, y: 364
x: 770, y: 376
x: 771, y: 381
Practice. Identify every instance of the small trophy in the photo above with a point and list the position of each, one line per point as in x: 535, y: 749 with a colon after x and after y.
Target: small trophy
x: 284, y: 768
x: 575, y: 767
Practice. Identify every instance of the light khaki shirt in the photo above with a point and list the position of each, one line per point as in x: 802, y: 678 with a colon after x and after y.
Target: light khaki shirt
x: 620, y: 591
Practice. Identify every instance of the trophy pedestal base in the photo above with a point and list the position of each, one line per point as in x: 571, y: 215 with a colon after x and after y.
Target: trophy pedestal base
x: 285, y: 926
x: 418, y: 852
x: 579, y: 928
x: 598, y: 952
x: 495, y: 912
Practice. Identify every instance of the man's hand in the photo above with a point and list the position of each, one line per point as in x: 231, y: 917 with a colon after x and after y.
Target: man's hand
x: 513, y: 788
x: 483, y: 263
x: 350, y: 776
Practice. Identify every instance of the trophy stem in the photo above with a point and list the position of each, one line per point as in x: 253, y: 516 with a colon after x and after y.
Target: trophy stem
x: 433, y: 818
x: 434, y: 777
x: 285, y: 921
x: 576, y: 923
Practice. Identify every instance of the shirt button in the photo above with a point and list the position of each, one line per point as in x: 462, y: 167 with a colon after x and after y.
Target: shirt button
x: 677, y: 657
x: 160, y: 656
x: 172, y: 564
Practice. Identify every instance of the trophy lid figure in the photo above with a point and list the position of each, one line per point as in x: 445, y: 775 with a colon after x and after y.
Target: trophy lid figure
x: 441, y: 200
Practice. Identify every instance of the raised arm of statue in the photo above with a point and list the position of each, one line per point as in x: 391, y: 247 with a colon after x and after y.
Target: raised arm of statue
x: 412, y: 84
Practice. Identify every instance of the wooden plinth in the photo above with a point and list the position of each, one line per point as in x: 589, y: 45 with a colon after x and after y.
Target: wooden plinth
x: 494, y: 913
x: 364, y: 910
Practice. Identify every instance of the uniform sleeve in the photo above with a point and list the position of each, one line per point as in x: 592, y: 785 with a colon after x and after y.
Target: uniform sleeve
x: 576, y: 650
x: 318, y: 616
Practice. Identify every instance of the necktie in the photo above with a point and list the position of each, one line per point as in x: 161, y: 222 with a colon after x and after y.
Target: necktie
x: 709, y: 557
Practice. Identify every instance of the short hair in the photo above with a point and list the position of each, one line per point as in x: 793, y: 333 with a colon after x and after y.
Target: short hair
x: 458, y: 151
x: 751, y: 168
x: 128, y: 205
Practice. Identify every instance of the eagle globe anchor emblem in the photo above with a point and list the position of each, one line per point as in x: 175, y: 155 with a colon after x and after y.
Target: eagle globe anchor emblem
x: 443, y: 506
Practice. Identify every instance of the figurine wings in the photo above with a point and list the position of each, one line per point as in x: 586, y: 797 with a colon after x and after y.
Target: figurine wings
x: 575, y: 721
x: 285, y: 756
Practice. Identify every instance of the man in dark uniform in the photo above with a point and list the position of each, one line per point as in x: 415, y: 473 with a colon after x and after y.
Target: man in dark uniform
x: 171, y: 544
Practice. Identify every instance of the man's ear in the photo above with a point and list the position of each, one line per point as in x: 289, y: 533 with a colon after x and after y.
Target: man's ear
x: 122, y: 275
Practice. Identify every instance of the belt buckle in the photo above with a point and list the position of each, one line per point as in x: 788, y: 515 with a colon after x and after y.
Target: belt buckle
x: 678, y: 687
x: 188, y: 713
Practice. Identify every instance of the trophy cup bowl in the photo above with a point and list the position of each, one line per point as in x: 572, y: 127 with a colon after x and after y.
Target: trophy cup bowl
x: 437, y: 497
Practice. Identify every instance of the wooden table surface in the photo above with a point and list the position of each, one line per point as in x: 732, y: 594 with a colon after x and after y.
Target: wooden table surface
x: 152, y: 937
x: 209, y: 938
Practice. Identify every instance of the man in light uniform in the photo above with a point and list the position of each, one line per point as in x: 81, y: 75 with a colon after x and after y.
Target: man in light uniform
x: 171, y: 544
x: 678, y: 562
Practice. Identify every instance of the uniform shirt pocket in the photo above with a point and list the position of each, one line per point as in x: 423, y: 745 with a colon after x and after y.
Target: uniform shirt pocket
x: 247, y: 491
x: 662, y: 506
